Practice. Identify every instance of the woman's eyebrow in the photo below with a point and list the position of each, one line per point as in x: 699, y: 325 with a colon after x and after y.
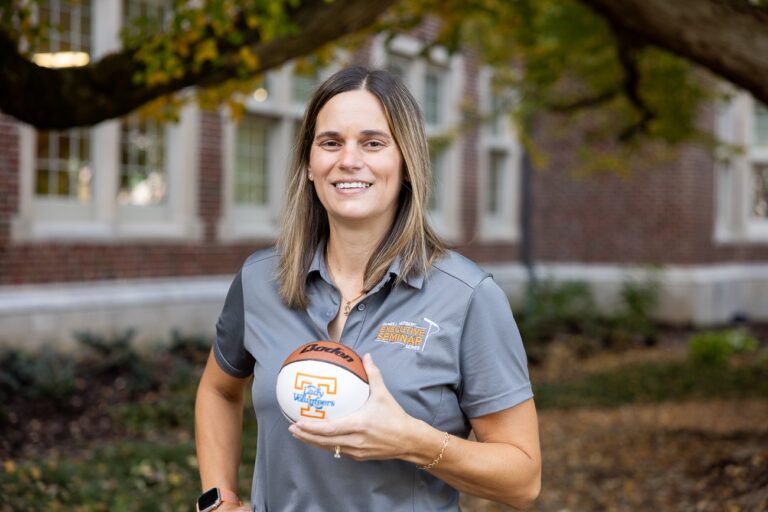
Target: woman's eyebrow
x: 328, y: 133
x: 364, y: 133
x: 375, y: 133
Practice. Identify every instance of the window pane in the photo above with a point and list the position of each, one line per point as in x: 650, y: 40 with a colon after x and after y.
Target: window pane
x: 761, y: 125
x: 497, y: 113
x: 398, y: 66
x: 146, y: 14
x: 495, y: 182
x: 251, y: 161
x: 63, y: 164
x: 69, y: 25
x: 303, y: 84
x: 760, y: 191
x: 435, y: 200
x: 432, y: 97
x: 143, y: 180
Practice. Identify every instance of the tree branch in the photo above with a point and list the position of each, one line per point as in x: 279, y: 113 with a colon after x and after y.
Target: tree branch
x: 582, y: 103
x: 69, y: 97
x: 728, y: 37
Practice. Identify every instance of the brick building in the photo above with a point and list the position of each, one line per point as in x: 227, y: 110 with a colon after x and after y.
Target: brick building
x: 135, y: 224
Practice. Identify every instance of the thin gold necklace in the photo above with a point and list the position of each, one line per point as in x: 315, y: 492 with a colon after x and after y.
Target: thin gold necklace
x: 348, y: 303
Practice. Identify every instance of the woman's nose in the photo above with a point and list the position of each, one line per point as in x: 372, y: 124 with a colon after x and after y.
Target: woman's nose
x: 351, y: 157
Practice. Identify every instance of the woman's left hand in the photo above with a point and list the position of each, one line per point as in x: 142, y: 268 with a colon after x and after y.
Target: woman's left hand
x: 376, y: 431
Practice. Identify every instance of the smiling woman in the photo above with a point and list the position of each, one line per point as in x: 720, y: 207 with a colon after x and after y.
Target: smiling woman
x: 358, y: 263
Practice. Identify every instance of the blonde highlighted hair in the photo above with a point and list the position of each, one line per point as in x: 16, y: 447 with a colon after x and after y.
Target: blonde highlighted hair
x: 304, y: 223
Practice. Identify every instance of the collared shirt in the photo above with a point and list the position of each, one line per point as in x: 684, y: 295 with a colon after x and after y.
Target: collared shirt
x: 447, y: 346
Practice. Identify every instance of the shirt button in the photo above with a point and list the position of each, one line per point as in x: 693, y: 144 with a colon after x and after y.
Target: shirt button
x: 361, y: 307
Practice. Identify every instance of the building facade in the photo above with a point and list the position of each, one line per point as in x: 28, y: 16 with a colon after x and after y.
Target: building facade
x: 137, y: 224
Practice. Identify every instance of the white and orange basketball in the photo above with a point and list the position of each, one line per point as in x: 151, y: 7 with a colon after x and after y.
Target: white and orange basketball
x: 321, y: 380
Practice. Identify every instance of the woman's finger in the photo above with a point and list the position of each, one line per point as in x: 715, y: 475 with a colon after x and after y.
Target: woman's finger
x: 375, y: 379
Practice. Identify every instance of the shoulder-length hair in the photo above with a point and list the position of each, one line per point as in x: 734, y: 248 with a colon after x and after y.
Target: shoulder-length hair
x: 304, y: 222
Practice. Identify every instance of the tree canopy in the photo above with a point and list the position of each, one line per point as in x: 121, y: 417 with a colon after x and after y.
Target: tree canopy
x: 636, y: 66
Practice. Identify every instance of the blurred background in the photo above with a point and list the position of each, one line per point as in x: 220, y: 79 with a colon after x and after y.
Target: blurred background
x: 608, y: 165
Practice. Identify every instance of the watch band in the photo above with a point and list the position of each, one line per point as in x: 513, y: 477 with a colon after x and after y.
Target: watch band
x: 213, y: 498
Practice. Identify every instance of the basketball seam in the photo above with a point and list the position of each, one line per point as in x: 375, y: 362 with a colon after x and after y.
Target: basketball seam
x: 329, y: 362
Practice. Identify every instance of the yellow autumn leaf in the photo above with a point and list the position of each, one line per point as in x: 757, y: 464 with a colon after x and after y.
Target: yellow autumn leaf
x: 9, y: 466
x: 247, y: 57
x: 206, y: 51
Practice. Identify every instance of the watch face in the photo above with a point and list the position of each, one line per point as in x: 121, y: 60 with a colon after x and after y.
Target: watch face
x: 208, y: 499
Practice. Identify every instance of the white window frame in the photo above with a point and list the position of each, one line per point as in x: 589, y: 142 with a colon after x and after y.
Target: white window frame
x: 102, y: 219
x: 505, y: 225
x: 447, y: 219
x: 734, y: 221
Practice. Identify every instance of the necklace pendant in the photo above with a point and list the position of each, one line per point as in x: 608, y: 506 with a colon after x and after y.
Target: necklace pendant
x: 347, y: 307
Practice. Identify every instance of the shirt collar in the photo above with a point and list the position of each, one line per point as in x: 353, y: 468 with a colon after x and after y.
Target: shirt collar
x: 318, y: 265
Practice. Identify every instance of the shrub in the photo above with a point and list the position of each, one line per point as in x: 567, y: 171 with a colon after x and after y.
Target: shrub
x: 632, y: 324
x: 44, y: 374
x: 554, y: 309
x: 116, y: 356
x: 551, y: 308
x: 716, y: 347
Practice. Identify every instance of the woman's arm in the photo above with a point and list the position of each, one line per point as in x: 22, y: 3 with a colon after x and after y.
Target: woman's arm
x: 218, y: 426
x: 503, y: 465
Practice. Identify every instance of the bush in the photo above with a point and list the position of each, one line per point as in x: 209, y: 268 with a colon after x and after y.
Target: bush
x: 116, y: 356
x: 33, y: 376
x: 551, y: 308
x: 632, y: 324
x: 554, y: 309
x: 717, y: 347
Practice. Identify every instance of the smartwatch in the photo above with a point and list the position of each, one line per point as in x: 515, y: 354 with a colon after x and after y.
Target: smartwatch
x: 214, y: 497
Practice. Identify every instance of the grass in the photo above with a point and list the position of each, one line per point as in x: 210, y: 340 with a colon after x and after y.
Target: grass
x: 655, y: 382
x: 151, y: 465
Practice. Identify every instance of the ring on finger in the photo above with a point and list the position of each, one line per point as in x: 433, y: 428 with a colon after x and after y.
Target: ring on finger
x: 337, y: 452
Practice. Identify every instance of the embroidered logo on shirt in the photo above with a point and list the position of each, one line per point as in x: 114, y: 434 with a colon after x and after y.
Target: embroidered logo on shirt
x: 408, y: 334
x: 312, y: 391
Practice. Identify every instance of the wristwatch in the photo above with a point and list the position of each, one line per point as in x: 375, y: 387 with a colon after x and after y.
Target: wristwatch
x: 214, y: 497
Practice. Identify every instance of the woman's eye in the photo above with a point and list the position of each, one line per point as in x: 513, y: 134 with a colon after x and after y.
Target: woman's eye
x: 375, y: 144
x: 331, y: 144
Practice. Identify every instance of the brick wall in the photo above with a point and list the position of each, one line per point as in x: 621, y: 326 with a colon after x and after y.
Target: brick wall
x: 9, y: 186
x: 662, y: 212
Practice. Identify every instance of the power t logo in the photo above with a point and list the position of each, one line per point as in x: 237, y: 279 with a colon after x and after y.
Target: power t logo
x: 313, y: 390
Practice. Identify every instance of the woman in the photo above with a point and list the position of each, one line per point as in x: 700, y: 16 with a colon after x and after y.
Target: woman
x: 357, y: 262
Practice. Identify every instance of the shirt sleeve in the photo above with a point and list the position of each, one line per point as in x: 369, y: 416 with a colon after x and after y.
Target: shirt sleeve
x: 229, y: 348
x: 494, y: 367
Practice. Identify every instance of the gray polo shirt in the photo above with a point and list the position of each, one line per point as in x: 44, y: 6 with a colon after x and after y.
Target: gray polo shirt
x: 447, y: 346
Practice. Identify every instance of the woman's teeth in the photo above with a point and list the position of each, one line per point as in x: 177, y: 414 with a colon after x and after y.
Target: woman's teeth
x: 352, y: 184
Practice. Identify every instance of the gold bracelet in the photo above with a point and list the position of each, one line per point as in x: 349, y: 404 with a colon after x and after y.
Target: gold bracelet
x: 439, y: 457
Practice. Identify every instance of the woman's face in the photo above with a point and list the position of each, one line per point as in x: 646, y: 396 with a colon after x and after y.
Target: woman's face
x: 355, y: 163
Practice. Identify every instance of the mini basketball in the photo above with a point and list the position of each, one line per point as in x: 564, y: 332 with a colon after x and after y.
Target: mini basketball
x: 321, y: 380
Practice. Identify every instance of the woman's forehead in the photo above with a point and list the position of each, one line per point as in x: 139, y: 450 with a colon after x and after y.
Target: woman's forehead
x: 358, y: 110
